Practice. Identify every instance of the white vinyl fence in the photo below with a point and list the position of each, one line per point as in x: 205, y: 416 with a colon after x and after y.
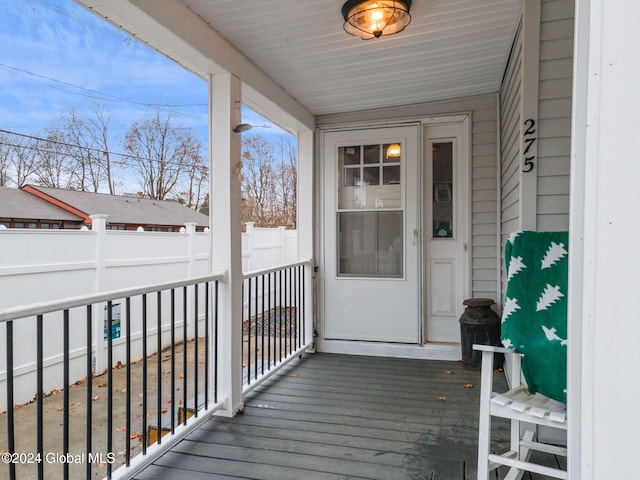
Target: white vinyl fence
x: 47, y: 265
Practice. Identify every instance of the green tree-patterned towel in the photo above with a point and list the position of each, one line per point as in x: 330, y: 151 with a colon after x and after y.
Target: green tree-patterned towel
x: 534, y: 316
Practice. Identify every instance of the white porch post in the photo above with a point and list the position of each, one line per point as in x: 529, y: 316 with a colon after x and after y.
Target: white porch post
x: 529, y: 115
x: 604, y: 330
x: 305, y: 222
x: 226, y: 232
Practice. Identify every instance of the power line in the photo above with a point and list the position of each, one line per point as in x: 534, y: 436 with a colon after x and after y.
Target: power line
x: 87, y: 148
x: 98, y: 26
x: 96, y: 94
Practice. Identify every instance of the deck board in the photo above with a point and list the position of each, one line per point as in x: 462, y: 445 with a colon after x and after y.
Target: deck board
x: 337, y: 417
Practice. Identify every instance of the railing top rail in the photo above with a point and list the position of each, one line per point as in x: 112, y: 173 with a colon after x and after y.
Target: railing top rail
x: 13, y: 313
x: 256, y: 273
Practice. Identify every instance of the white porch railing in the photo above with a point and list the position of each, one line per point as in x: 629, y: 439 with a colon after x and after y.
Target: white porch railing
x: 274, y: 319
x: 178, y: 368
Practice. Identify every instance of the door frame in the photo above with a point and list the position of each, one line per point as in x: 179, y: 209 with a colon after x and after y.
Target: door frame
x: 429, y: 351
x: 464, y: 170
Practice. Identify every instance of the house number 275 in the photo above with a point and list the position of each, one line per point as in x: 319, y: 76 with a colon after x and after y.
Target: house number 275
x: 529, y: 141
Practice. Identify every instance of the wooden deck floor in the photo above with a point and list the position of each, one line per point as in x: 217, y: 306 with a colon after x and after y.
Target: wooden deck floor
x: 337, y: 417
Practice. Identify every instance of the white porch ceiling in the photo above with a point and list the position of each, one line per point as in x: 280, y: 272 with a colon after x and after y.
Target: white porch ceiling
x: 451, y: 48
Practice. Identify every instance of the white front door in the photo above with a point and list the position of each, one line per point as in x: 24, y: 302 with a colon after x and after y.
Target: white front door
x: 371, y: 236
x: 446, y: 233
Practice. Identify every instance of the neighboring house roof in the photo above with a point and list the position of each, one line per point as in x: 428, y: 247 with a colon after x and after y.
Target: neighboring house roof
x: 14, y: 203
x: 120, y: 209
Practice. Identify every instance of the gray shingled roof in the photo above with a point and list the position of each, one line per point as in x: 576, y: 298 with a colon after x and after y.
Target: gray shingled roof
x: 124, y: 209
x: 14, y: 203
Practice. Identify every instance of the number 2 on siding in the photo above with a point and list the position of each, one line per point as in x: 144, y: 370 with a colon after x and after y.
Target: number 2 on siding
x: 529, y: 140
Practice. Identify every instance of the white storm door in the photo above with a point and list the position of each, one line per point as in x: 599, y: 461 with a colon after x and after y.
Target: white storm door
x: 371, y: 243
x: 446, y: 233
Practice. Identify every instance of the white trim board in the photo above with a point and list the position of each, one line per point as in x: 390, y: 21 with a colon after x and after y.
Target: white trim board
x: 428, y: 351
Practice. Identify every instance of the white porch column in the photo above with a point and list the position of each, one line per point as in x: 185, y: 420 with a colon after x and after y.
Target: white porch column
x: 226, y: 232
x: 305, y: 221
x: 604, y: 330
x: 529, y: 116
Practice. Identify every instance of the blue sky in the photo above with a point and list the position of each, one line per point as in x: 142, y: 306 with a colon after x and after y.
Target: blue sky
x: 56, y: 56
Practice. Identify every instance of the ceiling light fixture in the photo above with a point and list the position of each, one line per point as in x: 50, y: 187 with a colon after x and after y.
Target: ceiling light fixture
x: 369, y: 19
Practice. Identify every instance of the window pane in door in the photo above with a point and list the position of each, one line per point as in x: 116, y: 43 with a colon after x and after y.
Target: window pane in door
x: 352, y: 177
x: 371, y: 176
x: 391, y: 175
x: 372, y: 154
x: 370, y: 244
x: 442, y: 190
x: 350, y: 155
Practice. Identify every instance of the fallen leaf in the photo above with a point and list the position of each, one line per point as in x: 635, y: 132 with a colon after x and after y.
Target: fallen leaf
x: 468, y: 385
x: 181, y: 375
x: 97, y: 397
x: 448, y: 372
x: 443, y: 398
x: 133, y: 435
x: 294, y: 375
x: 120, y: 429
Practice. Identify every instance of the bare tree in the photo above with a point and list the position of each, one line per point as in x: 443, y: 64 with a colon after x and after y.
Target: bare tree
x: 194, y: 184
x: 25, y: 160
x: 98, y: 131
x: 258, y: 181
x: 53, y: 166
x: 287, y: 182
x: 18, y: 159
x: 5, y: 160
x: 269, y: 181
x: 160, y: 154
x: 86, y: 172
x: 204, y: 207
x: 87, y: 142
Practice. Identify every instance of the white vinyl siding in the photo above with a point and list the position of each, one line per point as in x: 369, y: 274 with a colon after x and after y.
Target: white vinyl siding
x: 484, y: 201
x: 510, y: 122
x: 484, y: 214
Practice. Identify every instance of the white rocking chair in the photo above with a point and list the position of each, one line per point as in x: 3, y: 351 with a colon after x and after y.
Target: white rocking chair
x: 525, y: 411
